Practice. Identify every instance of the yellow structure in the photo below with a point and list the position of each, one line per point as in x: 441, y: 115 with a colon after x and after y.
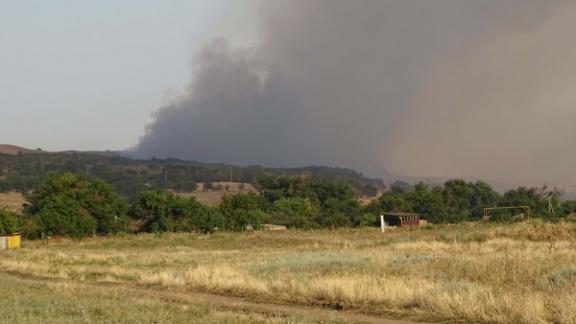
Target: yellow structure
x: 10, y: 241
x: 14, y: 241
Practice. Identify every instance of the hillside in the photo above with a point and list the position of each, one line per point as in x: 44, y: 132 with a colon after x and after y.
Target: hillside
x: 22, y: 172
x: 15, y: 150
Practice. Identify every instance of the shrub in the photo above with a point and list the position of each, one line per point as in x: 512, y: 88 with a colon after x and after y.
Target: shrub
x: 294, y: 212
x: 243, y: 209
x: 64, y: 216
x: 369, y: 220
x: 162, y: 211
x: 340, y: 213
x: 9, y: 223
x: 72, y: 205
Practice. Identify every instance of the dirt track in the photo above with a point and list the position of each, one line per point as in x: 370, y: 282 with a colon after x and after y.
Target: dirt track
x: 232, y: 303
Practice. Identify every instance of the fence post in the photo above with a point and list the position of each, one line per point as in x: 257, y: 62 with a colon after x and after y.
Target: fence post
x: 382, y: 223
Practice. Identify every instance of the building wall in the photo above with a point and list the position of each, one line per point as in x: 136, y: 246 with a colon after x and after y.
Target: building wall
x: 412, y: 222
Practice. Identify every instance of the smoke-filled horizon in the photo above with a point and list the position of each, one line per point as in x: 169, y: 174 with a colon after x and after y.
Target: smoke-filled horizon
x: 458, y: 88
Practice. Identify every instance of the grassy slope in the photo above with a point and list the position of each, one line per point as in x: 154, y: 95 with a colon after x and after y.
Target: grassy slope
x: 14, y: 150
x: 519, y: 273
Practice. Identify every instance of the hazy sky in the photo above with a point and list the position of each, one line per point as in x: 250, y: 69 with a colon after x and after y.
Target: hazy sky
x: 88, y: 74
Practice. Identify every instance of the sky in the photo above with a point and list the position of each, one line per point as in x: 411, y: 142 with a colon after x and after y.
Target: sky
x: 87, y: 75
x: 435, y: 88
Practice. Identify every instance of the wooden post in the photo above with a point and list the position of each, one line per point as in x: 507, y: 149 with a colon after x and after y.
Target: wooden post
x: 382, y: 223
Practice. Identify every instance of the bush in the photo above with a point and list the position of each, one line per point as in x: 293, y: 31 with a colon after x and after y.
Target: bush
x: 294, y: 212
x: 162, y: 211
x: 369, y: 220
x: 9, y: 223
x: 340, y: 213
x: 243, y: 209
x: 64, y: 216
x: 71, y: 205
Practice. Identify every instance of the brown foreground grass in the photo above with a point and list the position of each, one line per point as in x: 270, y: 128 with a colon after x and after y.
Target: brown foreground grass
x: 523, y: 273
x: 26, y: 300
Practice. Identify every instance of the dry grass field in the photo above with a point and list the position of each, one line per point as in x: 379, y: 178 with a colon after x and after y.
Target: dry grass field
x: 214, y: 196
x: 12, y: 201
x: 522, y: 273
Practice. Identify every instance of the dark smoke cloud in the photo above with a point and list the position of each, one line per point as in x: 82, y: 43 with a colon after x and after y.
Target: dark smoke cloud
x: 423, y: 87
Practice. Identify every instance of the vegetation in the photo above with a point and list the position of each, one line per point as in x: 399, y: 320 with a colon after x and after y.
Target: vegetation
x: 458, y: 201
x: 444, y: 272
x: 243, y: 210
x: 519, y: 273
x: 128, y: 177
x: 161, y: 211
x: 9, y: 223
x: 71, y: 205
x: 294, y: 212
x: 33, y: 300
x: 78, y: 206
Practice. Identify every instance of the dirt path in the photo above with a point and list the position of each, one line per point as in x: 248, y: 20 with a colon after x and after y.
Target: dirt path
x: 232, y: 303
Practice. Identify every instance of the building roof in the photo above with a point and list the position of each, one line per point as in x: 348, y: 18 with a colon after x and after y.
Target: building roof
x: 401, y: 214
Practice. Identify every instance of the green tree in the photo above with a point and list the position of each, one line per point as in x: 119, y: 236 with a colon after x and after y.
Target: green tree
x: 523, y: 196
x: 153, y: 210
x: 64, y: 216
x: 274, y: 188
x: 428, y: 202
x: 162, y: 211
x: 568, y: 208
x: 390, y: 202
x: 482, y: 196
x: 457, y: 196
x: 294, y: 212
x: 9, y: 223
x: 243, y: 209
x: 340, y: 213
x: 73, y: 205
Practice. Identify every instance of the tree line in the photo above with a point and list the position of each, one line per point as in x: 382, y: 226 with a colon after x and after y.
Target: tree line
x: 77, y: 206
x: 128, y: 177
x: 458, y: 201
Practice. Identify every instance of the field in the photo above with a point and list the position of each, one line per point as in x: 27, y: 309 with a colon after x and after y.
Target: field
x: 522, y: 273
x: 213, y: 197
x: 12, y: 201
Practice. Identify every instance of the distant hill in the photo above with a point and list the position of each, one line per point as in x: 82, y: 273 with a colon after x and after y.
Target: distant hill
x: 23, y: 169
x: 15, y: 150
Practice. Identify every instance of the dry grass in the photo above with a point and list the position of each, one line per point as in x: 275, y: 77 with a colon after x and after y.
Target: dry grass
x: 524, y: 273
x: 213, y: 197
x: 31, y: 301
x: 12, y: 201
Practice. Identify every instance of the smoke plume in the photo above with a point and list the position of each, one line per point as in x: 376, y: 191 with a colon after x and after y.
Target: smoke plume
x: 433, y: 88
